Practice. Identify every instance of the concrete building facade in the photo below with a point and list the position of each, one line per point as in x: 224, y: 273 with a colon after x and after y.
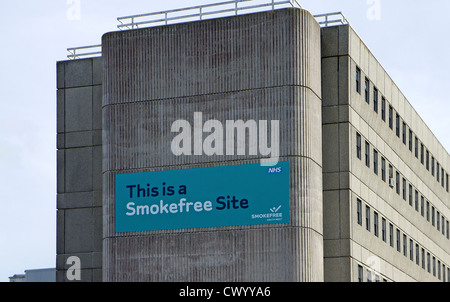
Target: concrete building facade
x: 368, y: 181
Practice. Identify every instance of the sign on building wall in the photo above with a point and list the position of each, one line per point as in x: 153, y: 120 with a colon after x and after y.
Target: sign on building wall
x: 203, y: 197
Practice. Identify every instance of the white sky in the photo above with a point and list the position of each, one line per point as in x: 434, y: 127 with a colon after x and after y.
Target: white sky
x: 410, y: 39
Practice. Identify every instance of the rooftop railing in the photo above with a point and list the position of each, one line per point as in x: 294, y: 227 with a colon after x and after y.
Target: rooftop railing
x: 201, y: 12
x: 336, y: 19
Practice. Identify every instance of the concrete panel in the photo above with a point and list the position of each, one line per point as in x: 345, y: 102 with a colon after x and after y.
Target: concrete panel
x: 78, y: 170
x: 77, y: 73
x: 78, y: 109
x: 79, y: 231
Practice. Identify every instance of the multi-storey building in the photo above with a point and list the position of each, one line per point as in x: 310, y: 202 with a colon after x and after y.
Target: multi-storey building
x: 367, y: 180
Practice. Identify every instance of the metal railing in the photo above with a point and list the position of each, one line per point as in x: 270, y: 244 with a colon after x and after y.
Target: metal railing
x: 324, y: 19
x: 232, y: 7
x: 80, y: 52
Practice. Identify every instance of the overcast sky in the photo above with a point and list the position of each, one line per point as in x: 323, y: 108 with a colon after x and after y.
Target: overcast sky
x: 409, y: 38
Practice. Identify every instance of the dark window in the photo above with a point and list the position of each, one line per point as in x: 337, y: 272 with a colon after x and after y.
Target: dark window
x: 383, y: 169
x: 442, y: 177
x: 404, y: 133
x: 358, y: 80
x: 438, y: 220
x: 417, y: 255
x: 404, y: 189
x: 391, y: 117
x: 446, y: 182
x: 405, y: 247
x: 375, y: 162
x: 410, y: 195
x: 416, y: 202
x: 375, y: 100
x: 383, y: 229
x: 411, y: 250
x: 427, y: 160
x: 422, y: 153
x: 443, y: 225
x: 360, y: 273
x: 416, y: 147
x: 448, y: 233
x: 367, y: 154
x: 422, y: 206
x: 367, y: 91
x: 391, y: 235
x: 410, y: 140
x: 428, y: 211
x: 359, y: 211
x: 367, y: 218
x: 398, y: 241
x: 397, y: 125
x: 437, y: 171
x: 397, y: 182
x: 383, y: 109
x: 358, y: 145
x: 375, y: 223
x: 423, y: 258
x: 434, y: 266
x: 428, y: 263
x: 432, y: 216
x: 432, y: 165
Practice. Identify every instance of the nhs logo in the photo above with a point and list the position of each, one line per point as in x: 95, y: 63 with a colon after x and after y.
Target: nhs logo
x: 275, y: 170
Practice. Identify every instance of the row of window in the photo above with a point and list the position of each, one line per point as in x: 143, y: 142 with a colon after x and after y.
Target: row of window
x: 401, y: 242
x: 371, y: 276
x: 403, y: 188
x: 407, y: 136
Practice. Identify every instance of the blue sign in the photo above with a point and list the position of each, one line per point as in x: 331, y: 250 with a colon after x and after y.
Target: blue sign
x: 202, y: 198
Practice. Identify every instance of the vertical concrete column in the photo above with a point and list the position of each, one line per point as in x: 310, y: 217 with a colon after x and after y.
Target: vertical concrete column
x: 79, y: 167
x: 263, y: 66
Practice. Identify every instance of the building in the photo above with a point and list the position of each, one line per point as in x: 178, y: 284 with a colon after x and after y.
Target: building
x: 362, y: 182
x: 36, y: 275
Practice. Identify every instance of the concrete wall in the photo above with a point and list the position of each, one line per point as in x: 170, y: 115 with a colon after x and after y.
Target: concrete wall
x: 263, y: 66
x: 347, y: 178
x: 79, y: 167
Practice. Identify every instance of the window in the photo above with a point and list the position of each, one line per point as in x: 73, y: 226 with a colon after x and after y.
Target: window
x: 383, y: 229
x: 411, y: 250
x: 397, y: 125
x: 391, y: 235
x: 360, y: 273
x: 398, y: 241
x: 367, y: 154
x: 438, y: 220
x: 366, y: 91
x: 416, y: 148
x: 417, y: 255
x: 437, y: 171
x: 375, y: 99
x: 358, y: 145
x: 404, y: 189
x: 410, y: 195
x: 434, y: 266
x: 391, y: 117
x: 358, y: 80
x: 446, y: 182
x: 448, y: 233
x: 369, y: 276
x: 439, y: 269
x: 422, y: 206
x: 416, y: 203
x: 375, y: 223
x: 405, y: 248
x: 423, y: 258
x: 432, y: 165
x: 422, y: 153
x: 397, y: 182
x: 383, y: 109
x: 432, y: 215
x: 428, y: 211
x: 383, y: 169
x: 375, y: 161
x: 391, y: 172
x: 367, y: 218
x: 443, y: 225
x: 442, y: 177
x: 427, y: 161
x: 359, y: 211
x: 404, y: 133
x: 428, y: 263
x: 410, y: 140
